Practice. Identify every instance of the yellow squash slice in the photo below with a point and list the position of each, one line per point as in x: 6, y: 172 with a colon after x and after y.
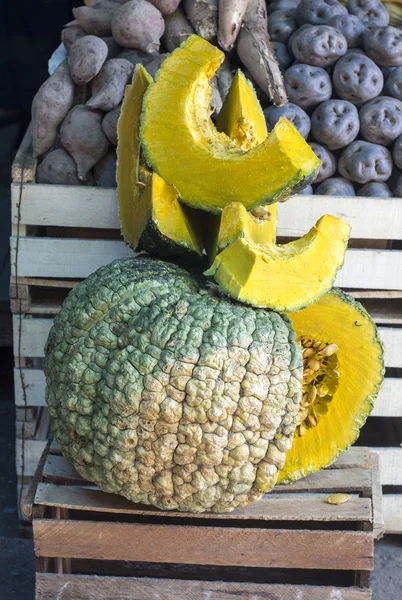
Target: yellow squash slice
x: 151, y: 216
x: 343, y: 373
x: 210, y: 171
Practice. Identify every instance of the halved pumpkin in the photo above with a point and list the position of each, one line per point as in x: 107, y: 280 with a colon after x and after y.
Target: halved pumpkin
x: 343, y: 373
x: 183, y: 146
x: 151, y: 217
x: 284, y: 278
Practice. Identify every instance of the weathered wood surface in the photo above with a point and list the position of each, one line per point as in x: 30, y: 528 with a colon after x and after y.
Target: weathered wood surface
x: 389, y: 401
x: 390, y: 465
x: 58, y: 469
x: 289, y: 507
x: 392, y: 505
x: 377, y: 506
x: 277, y: 548
x: 34, y: 382
x: 97, y: 208
x: 85, y: 587
x: 32, y: 453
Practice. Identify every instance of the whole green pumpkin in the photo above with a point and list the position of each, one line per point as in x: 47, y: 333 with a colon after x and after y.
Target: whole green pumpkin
x: 169, y: 395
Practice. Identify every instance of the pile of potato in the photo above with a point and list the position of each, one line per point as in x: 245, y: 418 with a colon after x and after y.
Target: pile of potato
x: 75, y: 112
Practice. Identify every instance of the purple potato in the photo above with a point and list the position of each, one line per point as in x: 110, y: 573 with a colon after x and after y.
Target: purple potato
x: 393, y: 85
x: 335, y: 123
x: 308, y: 191
x: 386, y: 71
x: 362, y: 162
x: 281, y: 25
x: 357, y: 78
x: 384, y: 46
x: 371, y: 13
x: 328, y: 162
x: 397, y: 152
x: 351, y: 27
x: 319, y: 45
x: 293, y: 37
x: 375, y: 189
x: 355, y: 51
x: 398, y: 187
x: 307, y: 86
x: 282, y: 55
x: 381, y: 120
x: 293, y: 113
x: 318, y: 12
x: 335, y: 186
x: 288, y: 5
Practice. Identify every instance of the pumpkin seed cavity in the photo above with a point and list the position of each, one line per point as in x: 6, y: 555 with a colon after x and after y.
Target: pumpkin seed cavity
x: 320, y: 381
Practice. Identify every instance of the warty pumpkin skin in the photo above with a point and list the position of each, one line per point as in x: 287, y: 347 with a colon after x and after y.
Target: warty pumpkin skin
x: 343, y: 373
x: 206, y: 167
x: 167, y: 395
x: 151, y: 217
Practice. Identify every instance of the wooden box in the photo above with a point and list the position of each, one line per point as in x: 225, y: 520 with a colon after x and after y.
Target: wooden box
x: 290, y: 545
x: 61, y: 234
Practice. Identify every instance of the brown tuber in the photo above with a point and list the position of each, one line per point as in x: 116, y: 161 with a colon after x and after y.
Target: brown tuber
x: 83, y: 137
x: 71, y: 33
x: 87, y: 56
x: 59, y: 168
x: 94, y: 21
x: 136, y: 56
x: 109, y: 124
x: 153, y: 66
x: 166, y: 7
x: 177, y: 29
x: 109, y: 85
x: 203, y: 16
x: 138, y: 24
x: 231, y: 15
x: 105, y: 170
x: 224, y: 78
x: 113, y: 47
x: 49, y: 107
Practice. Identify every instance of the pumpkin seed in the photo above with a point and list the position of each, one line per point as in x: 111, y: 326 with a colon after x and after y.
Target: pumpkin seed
x: 338, y: 499
x: 314, y: 364
x: 329, y: 350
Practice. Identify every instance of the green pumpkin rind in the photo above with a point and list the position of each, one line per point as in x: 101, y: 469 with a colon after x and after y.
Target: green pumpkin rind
x: 167, y: 395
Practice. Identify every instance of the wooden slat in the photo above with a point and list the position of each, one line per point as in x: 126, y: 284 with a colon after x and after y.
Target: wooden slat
x: 204, y: 545
x: 58, y: 469
x: 24, y: 165
x: 34, y: 334
x: 34, y: 383
x: 354, y: 457
x: 377, y: 507
x: 32, y: 452
x: 392, y: 504
x: 269, y: 508
x: 86, y: 587
x: 389, y: 401
x: 390, y: 465
x: 76, y: 258
x: 97, y: 208
x: 67, y: 258
x: 392, y: 340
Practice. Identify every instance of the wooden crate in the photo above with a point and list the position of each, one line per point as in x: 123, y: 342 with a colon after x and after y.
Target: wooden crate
x: 61, y: 234
x: 288, y: 546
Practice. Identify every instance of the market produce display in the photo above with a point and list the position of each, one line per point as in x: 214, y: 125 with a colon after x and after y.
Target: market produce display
x: 174, y: 391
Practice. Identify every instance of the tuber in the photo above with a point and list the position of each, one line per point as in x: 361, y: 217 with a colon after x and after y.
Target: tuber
x: 166, y: 7
x: 136, y: 56
x: 71, y: 33
x: 224, y: 77
x: 216, y: 99
x: 105, y: 170
x: 109, y: 85
x: 257, y: 54
x: 109, y: 124
x: 87, y: 56
x: 153, y: 66
x: 203, y: 16
x: 49, y: 107
x: 138, y: 24
x: 58, y: 167
x: 177, y: 29
x: 113, y: 47
x: 94, y: 21
x: 231, y: 15
x: 83, y: 137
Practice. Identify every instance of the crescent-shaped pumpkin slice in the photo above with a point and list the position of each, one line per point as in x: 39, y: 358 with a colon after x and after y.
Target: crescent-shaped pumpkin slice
x: 343, y: 373
x: 151, y: 216
x: 210, y: 171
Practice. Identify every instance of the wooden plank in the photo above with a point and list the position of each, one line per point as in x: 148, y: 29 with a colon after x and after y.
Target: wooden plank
x: 392, y: 340
x: 58, y: 469
x: 269, y: 508
x: 34, y: 333
x: 392, y: 504
x: 277, y: 548
x: 86, y: 587
x: 67, y: 258
x: 34, y: 382
x: 384, y: 311
x: 378, y: 514
x: 77, y: 258
x: 355, y: 456
x: 390, y: 465
x: 389, y: 401
x: 370, y: 294
x: 47, y: 283
x: 28, y: 500
x: 32, y: 452
x: 24, y: 165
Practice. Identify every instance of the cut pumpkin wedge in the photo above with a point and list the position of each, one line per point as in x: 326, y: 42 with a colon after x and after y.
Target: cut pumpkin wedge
x: 284, y: 278
x: 340, y: 340
x: 151, y: 217
x: 209, y: 170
